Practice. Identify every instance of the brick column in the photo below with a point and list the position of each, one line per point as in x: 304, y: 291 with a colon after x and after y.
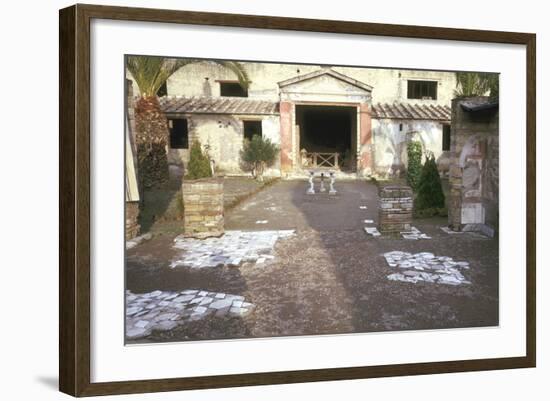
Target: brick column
x: 203, y: 215
x: 395, y: 208
x: 285, y: 109
x: 365, y: 139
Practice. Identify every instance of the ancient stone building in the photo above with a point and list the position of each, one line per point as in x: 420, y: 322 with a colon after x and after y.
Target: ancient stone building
x: 474, y: 168
x: 356, y: 119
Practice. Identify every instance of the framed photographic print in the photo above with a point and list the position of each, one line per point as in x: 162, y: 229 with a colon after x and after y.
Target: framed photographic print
x: 251, y: 200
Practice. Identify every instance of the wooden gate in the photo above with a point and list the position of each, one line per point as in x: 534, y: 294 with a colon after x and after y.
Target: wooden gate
x: 320, y: 160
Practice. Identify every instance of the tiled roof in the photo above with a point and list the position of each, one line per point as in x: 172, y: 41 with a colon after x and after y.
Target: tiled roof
x: 217, y: 105
x: 240, y: 105
x: 404, y: 111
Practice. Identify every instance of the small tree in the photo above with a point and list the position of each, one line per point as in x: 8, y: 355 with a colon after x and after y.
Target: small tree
x: 257, y: 154
x: 414, y: 163
x: 199, y: 165
x: 430, y: 192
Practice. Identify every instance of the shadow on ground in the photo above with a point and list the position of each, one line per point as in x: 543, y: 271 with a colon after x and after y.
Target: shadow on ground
x: 375, y: 303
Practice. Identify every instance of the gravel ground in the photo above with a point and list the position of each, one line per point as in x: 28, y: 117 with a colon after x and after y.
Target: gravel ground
x: 330, y: 277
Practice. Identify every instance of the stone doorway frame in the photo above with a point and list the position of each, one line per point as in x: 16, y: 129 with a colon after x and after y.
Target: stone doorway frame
x: 290, y: 135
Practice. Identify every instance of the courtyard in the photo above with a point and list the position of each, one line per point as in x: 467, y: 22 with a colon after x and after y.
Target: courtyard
x: 295, y: 264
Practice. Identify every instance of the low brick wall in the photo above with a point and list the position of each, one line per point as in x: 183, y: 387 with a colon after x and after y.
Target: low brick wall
x: 395, y: 209
x: 131, y: 215
x: 203, y: 207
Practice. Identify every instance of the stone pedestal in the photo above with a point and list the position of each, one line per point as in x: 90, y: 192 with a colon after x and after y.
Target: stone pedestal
x: 395, y: 209
x: 131, y: 215
x: 203, y: 207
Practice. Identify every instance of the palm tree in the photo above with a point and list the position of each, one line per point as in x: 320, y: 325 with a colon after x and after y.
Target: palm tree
x: 471, y: 84
x: 150, y: 73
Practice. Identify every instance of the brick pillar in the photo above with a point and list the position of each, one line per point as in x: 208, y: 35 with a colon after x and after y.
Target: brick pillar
x: 285, y: 109
x: 203, y: 215
x: 395, y: 208
x: 365, y: 139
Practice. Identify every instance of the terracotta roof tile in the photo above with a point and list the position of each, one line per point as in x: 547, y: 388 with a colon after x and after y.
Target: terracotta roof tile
x: 407, y: 111
x: 217, y: 105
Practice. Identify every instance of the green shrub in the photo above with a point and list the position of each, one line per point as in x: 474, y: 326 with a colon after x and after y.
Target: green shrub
x: 199, y: 164
x: 430, y: 192
x: 257, y: 154
x: 414, y: 164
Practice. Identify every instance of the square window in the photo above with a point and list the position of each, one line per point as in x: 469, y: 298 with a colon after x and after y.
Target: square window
x: 232, y: 89
x: 422, y: 90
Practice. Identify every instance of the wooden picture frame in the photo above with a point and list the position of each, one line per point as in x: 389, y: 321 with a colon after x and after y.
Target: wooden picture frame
x: 75, y: 207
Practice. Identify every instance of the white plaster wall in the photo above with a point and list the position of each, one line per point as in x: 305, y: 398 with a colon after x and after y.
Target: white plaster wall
x: 223, y: 135
x: 389, y: 85
x: 271, y: 129
x: 390, y: 143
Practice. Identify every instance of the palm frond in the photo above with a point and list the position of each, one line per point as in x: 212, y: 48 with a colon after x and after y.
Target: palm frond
x: 147, y: 72
x: 150, y: 72
x: 470, y: 84
x: 239, y: 70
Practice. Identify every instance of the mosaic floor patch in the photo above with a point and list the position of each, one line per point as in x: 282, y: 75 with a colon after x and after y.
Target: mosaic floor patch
x: 165, y: 310
x: 427, y: 267
x: 414, y: 234
x: 372, y: 231
x: 231, y: 249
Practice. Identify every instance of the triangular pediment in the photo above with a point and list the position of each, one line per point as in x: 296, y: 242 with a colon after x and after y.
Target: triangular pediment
x: 325, y: 80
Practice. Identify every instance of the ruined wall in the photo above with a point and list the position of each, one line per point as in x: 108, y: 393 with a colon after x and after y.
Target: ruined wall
x: 474, y: 170
x: 223, y: 135
x: 390, y: 144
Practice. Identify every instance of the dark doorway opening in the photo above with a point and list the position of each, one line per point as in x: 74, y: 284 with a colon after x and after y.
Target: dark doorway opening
x: 328, y: 129
x: 252, y: 128
x: 179, y: 133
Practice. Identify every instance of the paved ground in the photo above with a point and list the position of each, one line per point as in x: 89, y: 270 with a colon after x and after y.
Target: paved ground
x: 330, y: 277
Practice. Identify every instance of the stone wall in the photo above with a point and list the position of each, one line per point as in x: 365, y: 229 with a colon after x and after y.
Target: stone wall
x: 395, y: 209
x: 203, y: 208
x: 131, y: 218
x: 474, y: 168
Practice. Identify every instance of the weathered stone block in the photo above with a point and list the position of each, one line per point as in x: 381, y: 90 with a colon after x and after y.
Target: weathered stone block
x: 395, y: 209
x: 203, y: 208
